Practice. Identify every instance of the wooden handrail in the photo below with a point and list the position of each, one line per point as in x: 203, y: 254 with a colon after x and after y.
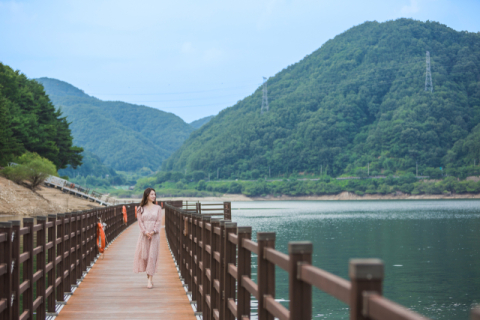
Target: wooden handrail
x: 210, y: 267
x: 63, y: 245
x: 277, y: 258
x: 333, y: 285
x: 275, y: 308
x: 377, y: 307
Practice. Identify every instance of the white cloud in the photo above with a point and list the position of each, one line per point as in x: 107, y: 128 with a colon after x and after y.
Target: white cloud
x: 187, y: 48
x: 411, y: 8
x: 212, y: 54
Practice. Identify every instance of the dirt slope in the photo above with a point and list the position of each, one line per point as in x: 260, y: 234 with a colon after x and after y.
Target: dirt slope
x: 18, y: 200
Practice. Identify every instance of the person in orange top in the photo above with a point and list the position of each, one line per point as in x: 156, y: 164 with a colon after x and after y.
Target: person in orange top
x: 149, y: 220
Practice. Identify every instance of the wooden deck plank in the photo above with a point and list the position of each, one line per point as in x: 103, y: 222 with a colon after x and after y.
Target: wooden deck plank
x: 112, y: 291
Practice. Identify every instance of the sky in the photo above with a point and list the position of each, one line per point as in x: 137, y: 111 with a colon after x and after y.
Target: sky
x: 190, y: 58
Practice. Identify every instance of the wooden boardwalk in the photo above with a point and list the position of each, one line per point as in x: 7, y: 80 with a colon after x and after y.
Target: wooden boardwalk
x: 112, y: 291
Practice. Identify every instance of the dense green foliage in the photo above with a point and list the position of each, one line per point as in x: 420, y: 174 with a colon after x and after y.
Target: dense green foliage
x: 124, y: 136
x: 451, y: 180
x: 30, y: 167
x: 91, y: 165
x: 200, y: 122
x: 358, y: 100
x: 29, y: 122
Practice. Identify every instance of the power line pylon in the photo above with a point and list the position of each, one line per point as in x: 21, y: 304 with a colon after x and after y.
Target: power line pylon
x: 265, y: 96
x: 428, y: 77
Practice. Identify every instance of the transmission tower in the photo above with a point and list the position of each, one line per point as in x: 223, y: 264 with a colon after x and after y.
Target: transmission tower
x: 265, y: 96
x: 428, y: 77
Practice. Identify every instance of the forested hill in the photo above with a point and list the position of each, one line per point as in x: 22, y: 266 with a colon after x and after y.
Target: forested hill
x: 200, y: 122
x: 360, y: 99
x: 124, y: 136
x: 30, y: 123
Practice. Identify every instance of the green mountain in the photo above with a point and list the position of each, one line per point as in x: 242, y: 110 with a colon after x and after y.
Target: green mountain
x: 29, y: 122
x: 200, y: 122
x: 91, y: 165
x: 124, y: 136
x: 358, y: 101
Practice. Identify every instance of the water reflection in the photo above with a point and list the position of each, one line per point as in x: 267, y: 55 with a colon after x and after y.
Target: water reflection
x: 431, y: 249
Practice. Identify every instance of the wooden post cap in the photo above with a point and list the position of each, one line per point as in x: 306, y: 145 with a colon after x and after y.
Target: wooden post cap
x: 41, y: 218
x: 222, y: 222
x: 15, y: 222
x: 52, y: 215
x: 366, y: 269
x: 28, y: 220
x: 296, y: 247
x: 5, y: 224
x: 205, y: 218
x: 60, y: 215
x: 265, y: 236
x: 244, y: 229
x: 229, y: 224
x: 475, y: 314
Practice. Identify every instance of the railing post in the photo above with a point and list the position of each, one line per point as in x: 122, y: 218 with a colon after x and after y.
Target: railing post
x: 227, y: 210
x: 51, y: 259
x: 90, y: 239
x: 265, y: 273
x: 229, y: 258
x: 68, y: 251
x: 78, y: 247
x: 41, y: 264
x: 475, y: 314
x: 73, y: 255
x: 214, y: 275
x: 366, y: 275
x: 200, y: 238
x: 198, y: 257
x: 205, y: 266
x: 6, y: 257
x: 14, y: 300
x: 221, y: 298
x: 60, y: 255
x: 300, y: 252
x: 190, y: 255
x: 83, y: 245
x: 182, y: 247
x: 28, y: 242
x: 244, y: 269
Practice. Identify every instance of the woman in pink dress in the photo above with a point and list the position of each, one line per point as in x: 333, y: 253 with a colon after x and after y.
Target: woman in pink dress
x: 149, y: 221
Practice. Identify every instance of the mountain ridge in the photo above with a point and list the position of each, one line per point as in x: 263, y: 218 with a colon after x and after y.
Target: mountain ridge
x: 125, y: 136
x: 358, y: 100
x: 197, y: 124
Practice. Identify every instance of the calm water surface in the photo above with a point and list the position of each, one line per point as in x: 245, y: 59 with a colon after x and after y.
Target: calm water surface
x: 431, y: 249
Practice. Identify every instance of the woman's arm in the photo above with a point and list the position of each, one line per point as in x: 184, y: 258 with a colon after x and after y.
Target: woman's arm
x: 140, y: 220
x: 158, y: 222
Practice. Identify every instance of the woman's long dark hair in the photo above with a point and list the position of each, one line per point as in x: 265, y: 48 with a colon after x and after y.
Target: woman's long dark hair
x: 146, y: 193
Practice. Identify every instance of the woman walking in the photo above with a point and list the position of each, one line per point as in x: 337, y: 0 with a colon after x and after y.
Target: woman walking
x: 149, y: 221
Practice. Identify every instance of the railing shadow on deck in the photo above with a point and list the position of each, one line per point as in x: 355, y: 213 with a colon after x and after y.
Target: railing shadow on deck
x: 57, y: 253
x: 214, y: 258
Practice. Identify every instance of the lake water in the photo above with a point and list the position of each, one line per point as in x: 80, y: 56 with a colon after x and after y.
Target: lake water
x: 431, y: 249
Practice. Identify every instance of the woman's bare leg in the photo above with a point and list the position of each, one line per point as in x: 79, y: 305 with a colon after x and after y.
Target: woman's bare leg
x: 149, y: 284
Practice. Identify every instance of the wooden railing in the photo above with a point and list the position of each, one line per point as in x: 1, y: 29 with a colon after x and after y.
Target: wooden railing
x: 214, y: 259
x: 57, y: 252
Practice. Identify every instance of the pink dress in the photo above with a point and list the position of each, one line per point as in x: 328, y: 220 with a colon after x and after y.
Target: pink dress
x: 146, y: 253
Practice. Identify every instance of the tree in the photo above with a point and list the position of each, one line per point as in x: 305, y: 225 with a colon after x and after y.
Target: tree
x: 31, y: 167
x: 9, y: 146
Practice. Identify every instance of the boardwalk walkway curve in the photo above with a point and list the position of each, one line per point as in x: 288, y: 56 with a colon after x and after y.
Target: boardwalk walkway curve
x: 112, y: 291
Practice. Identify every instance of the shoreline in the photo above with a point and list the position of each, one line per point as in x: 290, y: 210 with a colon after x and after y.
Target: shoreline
x: 343, y: 196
